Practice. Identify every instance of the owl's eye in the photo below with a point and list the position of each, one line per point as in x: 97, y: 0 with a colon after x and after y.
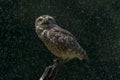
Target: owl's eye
x: 50, y: 19
x: 40, y: 19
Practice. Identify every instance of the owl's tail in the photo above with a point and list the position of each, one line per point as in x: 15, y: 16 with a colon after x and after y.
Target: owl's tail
x: 83, y: 56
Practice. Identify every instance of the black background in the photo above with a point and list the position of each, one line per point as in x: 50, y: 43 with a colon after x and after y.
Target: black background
x: 95, y: 23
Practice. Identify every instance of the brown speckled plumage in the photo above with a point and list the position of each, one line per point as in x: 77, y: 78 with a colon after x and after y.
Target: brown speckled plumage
x: 59, y: 41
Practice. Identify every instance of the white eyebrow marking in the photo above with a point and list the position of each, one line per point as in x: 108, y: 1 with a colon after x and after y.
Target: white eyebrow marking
x: 41, y: 17
x: 47, y: 17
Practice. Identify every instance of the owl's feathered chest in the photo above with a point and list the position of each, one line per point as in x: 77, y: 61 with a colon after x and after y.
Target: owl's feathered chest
x: 52, y: 46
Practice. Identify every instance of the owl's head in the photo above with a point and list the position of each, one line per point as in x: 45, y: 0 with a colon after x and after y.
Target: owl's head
x: 44, y: 20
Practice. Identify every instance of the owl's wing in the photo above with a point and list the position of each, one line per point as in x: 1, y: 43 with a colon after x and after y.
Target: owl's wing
x: 64, y: 38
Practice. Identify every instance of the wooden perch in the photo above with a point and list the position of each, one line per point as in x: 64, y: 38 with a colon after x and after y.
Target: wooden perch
x: 51, y: 71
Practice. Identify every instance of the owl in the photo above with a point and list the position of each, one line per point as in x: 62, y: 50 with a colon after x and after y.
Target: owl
x: 59, y: 41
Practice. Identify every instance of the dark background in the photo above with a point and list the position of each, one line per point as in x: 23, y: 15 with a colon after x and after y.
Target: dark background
x: 95, y: 23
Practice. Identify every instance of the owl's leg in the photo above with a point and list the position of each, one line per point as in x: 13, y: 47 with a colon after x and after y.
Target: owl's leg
x: 59, y: 60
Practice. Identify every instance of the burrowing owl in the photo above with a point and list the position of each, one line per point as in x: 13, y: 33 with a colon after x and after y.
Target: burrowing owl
x: 58, y: 40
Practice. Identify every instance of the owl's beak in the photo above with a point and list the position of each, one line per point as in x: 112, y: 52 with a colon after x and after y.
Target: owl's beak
x: 45, y: 22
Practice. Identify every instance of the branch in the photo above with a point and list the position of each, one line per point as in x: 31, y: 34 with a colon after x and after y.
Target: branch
x: 51, y: 71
